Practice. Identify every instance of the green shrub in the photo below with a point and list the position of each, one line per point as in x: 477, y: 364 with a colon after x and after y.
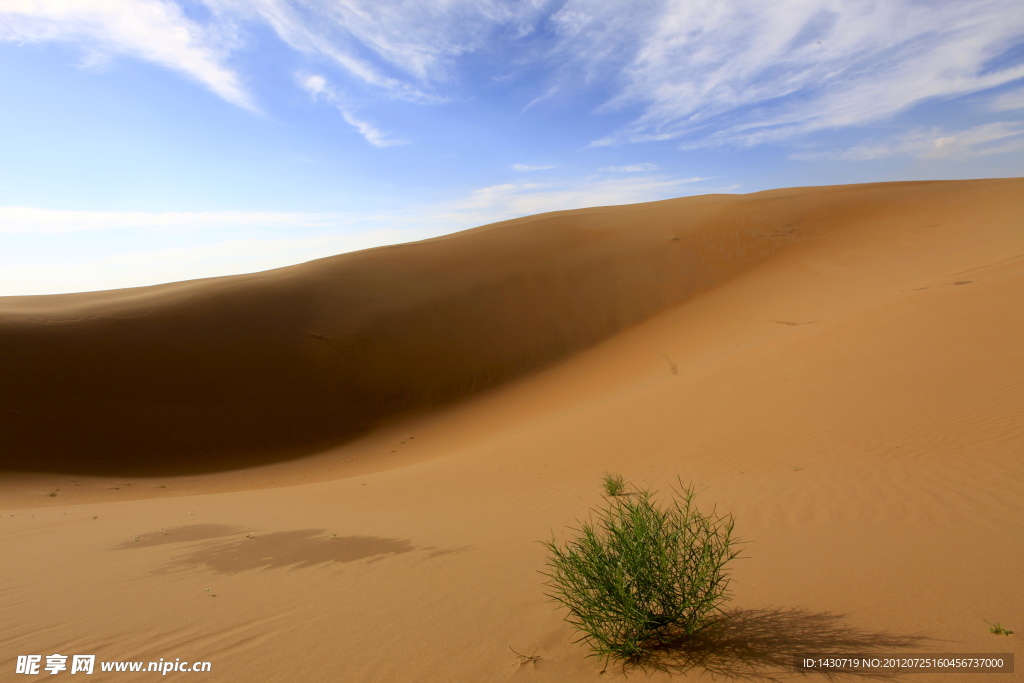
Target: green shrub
x: 640, y: 576
x: 614, y: 484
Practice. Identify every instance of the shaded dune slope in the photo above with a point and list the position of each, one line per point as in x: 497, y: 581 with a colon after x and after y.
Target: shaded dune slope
x: 230, y: 372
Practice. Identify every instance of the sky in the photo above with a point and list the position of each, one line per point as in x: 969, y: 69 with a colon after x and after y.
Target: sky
x: 151, y: 141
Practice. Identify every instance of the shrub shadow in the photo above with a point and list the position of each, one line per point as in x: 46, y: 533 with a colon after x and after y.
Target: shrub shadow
x: 297, y: 549
x: 763, y: 644
x: 226, y: 549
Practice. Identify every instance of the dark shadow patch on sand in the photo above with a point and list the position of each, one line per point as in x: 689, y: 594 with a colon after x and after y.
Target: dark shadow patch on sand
x: 448, y: 551
x: 181, y: 534
x: 763, y: 644
x: 299, y: 549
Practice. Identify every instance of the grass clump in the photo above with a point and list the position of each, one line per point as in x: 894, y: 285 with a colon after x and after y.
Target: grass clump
x: 999, y: 630
x: 526, y: 659
x: 639, y: 577
x: 614, y: 484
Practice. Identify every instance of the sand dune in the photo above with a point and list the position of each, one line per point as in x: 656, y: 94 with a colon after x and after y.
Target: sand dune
x: 357, y: 455
x: 221, y: 373
x: 228, y: 372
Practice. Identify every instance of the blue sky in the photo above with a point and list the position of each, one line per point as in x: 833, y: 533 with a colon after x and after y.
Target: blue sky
x: 148, y: 141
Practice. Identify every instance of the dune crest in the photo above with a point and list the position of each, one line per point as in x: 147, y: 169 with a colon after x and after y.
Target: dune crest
x: 230, y: 372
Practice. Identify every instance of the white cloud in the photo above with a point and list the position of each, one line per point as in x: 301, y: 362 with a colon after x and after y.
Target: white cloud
x: 547, y: 94
x: 732, y: 72
x: 30, y: 220
x: 523, y: 168
x: 931, y: 143
x: 705, y: 72
x: 497, y: 202
x: 374, y: 136
x: 511, y: 200
x: 30, y: 266
x: 175, y: 263
x: 632, y: 168
x: 318, y: 87
x: 405, y: 47
x: 1010, y: 101
x: 153, y: 30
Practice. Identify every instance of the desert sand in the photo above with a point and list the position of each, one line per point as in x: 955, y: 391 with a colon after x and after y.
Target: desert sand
x: 342, y: 470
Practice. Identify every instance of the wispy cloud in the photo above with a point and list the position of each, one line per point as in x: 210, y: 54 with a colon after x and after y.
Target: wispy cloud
x: 704, y: 72
x: 214, y: 247
x: 730, y: 72
x: 318, y: 87
x: 404, y: 47
x: 140, y: 268
x: 932, y: 143
x: 547, y: 94
x: 523, y: 168
x: 1010, y: 101
x: 632, y: 168
x: 31, y: 220
x: 151, y: 30
x: 511, y: 200
x: 493, y: 203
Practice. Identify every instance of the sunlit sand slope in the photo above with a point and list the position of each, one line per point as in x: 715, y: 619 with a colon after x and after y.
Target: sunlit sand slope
x: 227, y: 372
x: 854, y: 395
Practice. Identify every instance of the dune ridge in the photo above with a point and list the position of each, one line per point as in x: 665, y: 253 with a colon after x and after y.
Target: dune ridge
x: 229, y: 372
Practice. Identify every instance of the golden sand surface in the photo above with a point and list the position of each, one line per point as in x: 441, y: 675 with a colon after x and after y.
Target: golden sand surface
x: 342, y: 470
